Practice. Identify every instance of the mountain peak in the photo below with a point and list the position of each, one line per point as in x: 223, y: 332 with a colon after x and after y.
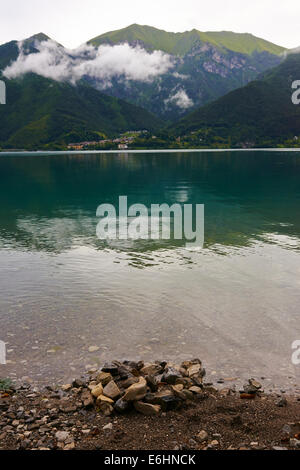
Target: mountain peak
x: 181, y: 43
x: 39, y: 37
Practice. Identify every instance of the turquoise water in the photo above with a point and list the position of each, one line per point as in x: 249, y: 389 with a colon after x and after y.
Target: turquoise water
x: 235, y: 303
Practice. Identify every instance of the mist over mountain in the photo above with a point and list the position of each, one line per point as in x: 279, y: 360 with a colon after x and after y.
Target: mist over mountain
x: 169, y: 74
x: 42, y: 111
x: 260, y: 113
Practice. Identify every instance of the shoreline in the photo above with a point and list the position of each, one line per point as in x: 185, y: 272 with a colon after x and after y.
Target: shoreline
x: 148, y: 406
x: 79, y: 152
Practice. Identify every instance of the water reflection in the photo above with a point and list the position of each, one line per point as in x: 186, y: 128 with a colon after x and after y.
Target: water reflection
x: 48, y: 203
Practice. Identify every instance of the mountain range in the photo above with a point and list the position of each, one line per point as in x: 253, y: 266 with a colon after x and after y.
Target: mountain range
x: 205, y: 67
x: 260, y: 113
x: 145, y: 78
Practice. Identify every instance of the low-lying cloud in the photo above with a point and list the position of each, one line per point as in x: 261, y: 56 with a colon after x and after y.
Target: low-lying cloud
x: 180, y: 99
x: 103, y: 63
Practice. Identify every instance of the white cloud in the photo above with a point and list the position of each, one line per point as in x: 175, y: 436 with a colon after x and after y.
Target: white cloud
x: 180, y: 99
x: 103, y: 63
x: 180, y: 76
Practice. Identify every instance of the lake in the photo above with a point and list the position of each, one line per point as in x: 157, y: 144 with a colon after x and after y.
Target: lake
x: 235, y: 303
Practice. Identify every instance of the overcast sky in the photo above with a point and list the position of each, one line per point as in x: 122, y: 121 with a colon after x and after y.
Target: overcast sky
x: 73, y: 22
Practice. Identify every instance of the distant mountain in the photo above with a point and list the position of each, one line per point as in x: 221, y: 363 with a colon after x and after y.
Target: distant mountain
x: 206, y: 66
x: 41, y: 111
x: 181, y: 44
x: 261, y: 111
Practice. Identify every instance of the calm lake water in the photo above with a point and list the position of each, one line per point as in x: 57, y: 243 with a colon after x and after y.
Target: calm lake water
x: 235, y: 303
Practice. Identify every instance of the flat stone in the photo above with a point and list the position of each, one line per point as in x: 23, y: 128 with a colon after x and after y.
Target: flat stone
x: 93, y: 349
x: 136, y: 391
x: 62, y: 436
x: 195, y: 389
x: 147, y: 409
x: 255, y: 384
x: 110, y: 368
x: 103, y: 398
x: 97, y: 390
x: 151, y: 369
x: 111, y: 390
x: 104, y: 378
x: 194, y: 369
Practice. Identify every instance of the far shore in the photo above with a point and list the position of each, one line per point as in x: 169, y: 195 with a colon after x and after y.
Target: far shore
x: 129, y: 151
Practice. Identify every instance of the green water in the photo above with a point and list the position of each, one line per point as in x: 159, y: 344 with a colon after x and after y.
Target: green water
x: 235, y: 303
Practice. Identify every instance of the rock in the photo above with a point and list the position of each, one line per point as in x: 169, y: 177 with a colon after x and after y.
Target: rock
x: 93, y: 349
x: 110, y: 368
x: 282, y: 402
x: 186, y: 382
x: 152, y: 383
x: 121, y: 406
x: 103, y: 398
x: 295, y: 443
x: 130, y: 381
x: 255, y: 384
x: 105, y: 408
x: 194, y: 370
x: 70, y: 446
x: 214, y: 443
x: 77, y: 383
x: 202, y: 436
x: 168, y: 402
x: 279, y: 448
x: 146, y: 408
x: 97, y: 390
x: 178, y: 391
x: 226, y: 392
x: 136, y: 391
x: 66, y: 387
x: 151, y: 369
x: 108, y: 427
x: 291, y: 428
x: 188, y: 394
x: 170, y: 376
x: 111, y: 390
x: 196, y: 390
x: 87, y: 399
x: 178, y: 387
x: 62, y: 436
x: 104, y: 378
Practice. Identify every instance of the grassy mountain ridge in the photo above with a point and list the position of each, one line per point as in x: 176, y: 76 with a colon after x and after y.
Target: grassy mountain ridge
x: 182, y: 43
x: 263, y: 109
